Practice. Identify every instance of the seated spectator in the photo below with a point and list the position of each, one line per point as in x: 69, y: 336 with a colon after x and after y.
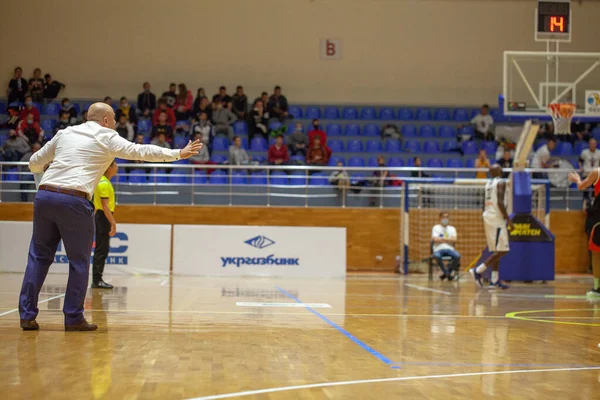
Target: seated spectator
x: 390, y: 131
x: 27, y: 156
x: 203, y: 156
x: 51, y: 88
x: 482, y: 161
x: 146, y: 102
x: 66, y: 106
x: 139, y: 139
x: 580, y: 131
x: 203, y: 128
x: 83, y: 119
x: 340, y: 178
x: 589, y: 159
x: 223, y: 120
x: 237, y: 155
x: 28, y: 186
x: 15, y: 147
x: 263, y: 98
x: 278, y: 105
x: 298, y: 142
x: 30, y: 109
x: 418, y: 173
x: 64, y: 121
x: 108, y: 101
x: 278, y: 152
x: 30, y: 129
x: 240, y: 103
x: 200, y: 94
x: 222, y: 97
x: 259, y: 120
x: 183, y: 104
x: 163, y: 106
x: 163, y: 127
x: 444, y: 238
x: 317, y: 154
x: 204, y: 106
x: 317, y: 132
x: 17, y: 87
x: 170, y: 95
x: 379, y: 180
x: 506, y: 162
x: 125, y: 128
x: 13, y: 119
x: 546, y: 131
x: 161, y: 141
x: 127, y: 110
x: 542, y: 158
x: 483, y: 123
x: 36, y: 86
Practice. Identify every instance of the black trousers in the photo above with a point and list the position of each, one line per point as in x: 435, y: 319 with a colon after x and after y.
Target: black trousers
x: 102, y: 245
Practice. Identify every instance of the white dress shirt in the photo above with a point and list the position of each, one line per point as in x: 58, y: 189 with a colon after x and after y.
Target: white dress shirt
x: 81, y: 154
x: 445, y: 232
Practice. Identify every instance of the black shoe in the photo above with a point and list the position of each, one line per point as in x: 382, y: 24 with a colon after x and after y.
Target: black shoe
x: 82, y: 326
x: 101, y: 285
x: 443, y: 276
x: 29, y: 325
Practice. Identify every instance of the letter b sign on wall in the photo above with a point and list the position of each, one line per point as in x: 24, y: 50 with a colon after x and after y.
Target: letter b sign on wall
x: 331, y: 49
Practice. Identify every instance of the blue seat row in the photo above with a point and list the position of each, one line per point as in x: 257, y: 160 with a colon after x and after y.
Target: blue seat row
x: 385, y: 113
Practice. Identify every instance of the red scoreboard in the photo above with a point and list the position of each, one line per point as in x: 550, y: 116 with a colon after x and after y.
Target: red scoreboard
x: 553, y: 20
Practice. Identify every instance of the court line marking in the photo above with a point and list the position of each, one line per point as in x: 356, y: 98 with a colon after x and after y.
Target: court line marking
x: 426, y: 288
x: 359, y: 342
x: 39, y: 302
x: 284, y: 305
x: 397, y: 379
x: 515, y: 315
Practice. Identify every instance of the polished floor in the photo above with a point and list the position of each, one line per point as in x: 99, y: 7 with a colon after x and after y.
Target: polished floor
x: 365, y: 337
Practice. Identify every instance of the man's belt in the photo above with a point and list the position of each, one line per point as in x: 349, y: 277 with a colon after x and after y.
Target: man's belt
x: 71, y: 192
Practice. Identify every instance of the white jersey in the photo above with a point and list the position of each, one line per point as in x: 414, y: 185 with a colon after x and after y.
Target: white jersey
x: 492, y: 212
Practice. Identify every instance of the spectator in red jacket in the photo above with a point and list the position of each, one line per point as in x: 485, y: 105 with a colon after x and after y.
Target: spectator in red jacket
x: 163, y: 107
x: 30, y: 109
x: 183, y: 104
x: 30, y: 129
x: 317, y: 153
x: 317, y: 132
x: 278, y: 152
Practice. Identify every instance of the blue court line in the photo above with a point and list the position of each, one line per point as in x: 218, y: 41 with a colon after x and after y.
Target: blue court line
x: 362, y: 344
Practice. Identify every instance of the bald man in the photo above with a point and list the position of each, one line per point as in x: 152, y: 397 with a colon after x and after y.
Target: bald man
x: 75, y: 160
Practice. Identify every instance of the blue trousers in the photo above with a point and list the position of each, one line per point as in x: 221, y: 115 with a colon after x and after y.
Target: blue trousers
x: 447, y: 253
x: 59, y: 216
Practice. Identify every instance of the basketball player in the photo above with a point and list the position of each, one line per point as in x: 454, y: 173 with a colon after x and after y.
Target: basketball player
x: 496, y: 221
x: 594, y: 215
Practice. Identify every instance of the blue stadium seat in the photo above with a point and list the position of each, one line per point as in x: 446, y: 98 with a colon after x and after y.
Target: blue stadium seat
x: 17, y: 104
x: 3, y: 138
x: 470, y: 163
x: 239, y: 178
x: 450, y: 145
x: 423, y: 114
x: 279, y: 178
x: 240, y: 128
x: 121, y: 177
x: 78, y: 108
x: 313, y: 112
x: 37, y: 105
x: 298, y: 159
x: 412, y: 146
x: 474, y: 112
x: 291, y: 127
x: 356, y: 162
x: 564, y: 149
x: 393, y: 146
x: 159, y: 177
x: 395, y: 162
x: 333, y: 160
x: 405, y: 114
x: 331, y: 113
x: 259, y: 159
x: 470, y: 147
x: 144, y: 125
x: 441, y: 114
x: 386, y: 113
x: 409, y: 131
x: 318, y: 179
x: 180, y: 142
x: 435, y: 163
x: 431, y: 147
x: 298, y: 178
x: 86, y: 105
x: 273, y: 125
x: 580, y: 145
x: 372, y: 162
x: 427, y: 131
x: 178, y: 177
x: 460, y: 114
x: 137, y: 176
x: 258, y: 179
x: 271, y: 141
x: 490, y: 148
x: 596, y: 132
x: 447, y: 131
x: 352, y: 130
x: 218, y: 158
x: 467, y: 130
x: 218, y: 178
x: 295, y: 111
x: 373, y: 146
x: 220, y: 143
x: 48, y: 125
x: 200, y: 177
x: 182, y: 162
x: 2, y: 107
x: 349, y: 113
x: 51, y: 109
x: 371, y: 130
x: 258, y: 144
x: 337, y: 146
x: 454, y: 163
x: 368, y: 113
x: 333, y: 130
x: 11, y: 175
x: 355, y: 146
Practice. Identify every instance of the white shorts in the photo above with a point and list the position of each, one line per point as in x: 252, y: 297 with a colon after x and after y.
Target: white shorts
x: 496, y: 234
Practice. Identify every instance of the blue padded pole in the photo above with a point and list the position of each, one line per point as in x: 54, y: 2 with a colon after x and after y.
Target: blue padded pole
x: 521, y: 192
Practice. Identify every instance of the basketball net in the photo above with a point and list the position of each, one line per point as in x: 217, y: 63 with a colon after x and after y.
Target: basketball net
x: 562, y: 113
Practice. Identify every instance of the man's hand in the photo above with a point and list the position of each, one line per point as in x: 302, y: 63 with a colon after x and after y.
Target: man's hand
x: 510, y: 225
x: 113, y: 230
x: 574, y: 177
x: 191, y: 149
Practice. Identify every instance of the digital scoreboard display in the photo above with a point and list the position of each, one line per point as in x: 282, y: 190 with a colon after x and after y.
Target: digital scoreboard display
x: 554, y: 17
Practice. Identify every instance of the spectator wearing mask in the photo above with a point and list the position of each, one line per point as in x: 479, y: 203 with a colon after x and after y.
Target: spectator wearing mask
x: 340, y: 179
x: 51, y: 88
x: 483, y: 124
x: 240, y: 103
x: 146, y: 102
x: 30, y: 130
x: 17, y: 87
x: 184, y: 103
x: 127, y: 110
x: 163, y: 106
x: 30, y: 109
x: 298, y: 142
x: 203, y: 128
x: 125, y: 128
x: 13, y: 119
x: 482, y: 161
x: 259, y: 120
x: 163, y: 127
x: 223, y: 120
x: 278, y: 152
x: 15, y: 147
x: 278, y: 105
x: 417, y: 163
x: 66, y: 106
x: 317, y: 153
x: 204, y: 106
x: 170, y: 95
x: 237, y: 155
x: 379, y: 180
x: 317, y: 132
x: 161, y: 141
x: 222, y: 97
x: 542, y: 158
x: 506, y: 162
x: 64, y: 121
x: 36, y: 86
x: 444, y: 239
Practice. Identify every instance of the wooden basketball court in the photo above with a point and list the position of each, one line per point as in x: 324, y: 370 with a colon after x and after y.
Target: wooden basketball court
x: 369, y: 336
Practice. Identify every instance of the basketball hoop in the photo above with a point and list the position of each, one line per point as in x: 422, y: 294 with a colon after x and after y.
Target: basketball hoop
x: 562, y: 113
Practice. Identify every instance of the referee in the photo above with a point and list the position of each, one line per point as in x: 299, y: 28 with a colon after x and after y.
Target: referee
x: 106, y: 226
x: 75, y: 160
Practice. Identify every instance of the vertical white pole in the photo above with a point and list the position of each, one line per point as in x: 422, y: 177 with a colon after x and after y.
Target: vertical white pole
x: 547, y: 73
x: 556, y: 71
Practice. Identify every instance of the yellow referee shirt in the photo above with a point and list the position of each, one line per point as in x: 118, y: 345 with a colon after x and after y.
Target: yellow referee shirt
x: 104, y: 190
